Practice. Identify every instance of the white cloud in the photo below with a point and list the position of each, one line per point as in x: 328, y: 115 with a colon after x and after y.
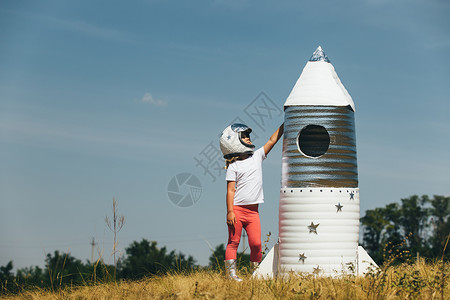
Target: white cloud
x: 233, y: 4
x: 91, y: 29
x: 79, y: 26
x: 148, y: 98
x: 17, y: 129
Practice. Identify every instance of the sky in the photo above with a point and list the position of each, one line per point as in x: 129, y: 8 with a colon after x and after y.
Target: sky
x: 120, y: 99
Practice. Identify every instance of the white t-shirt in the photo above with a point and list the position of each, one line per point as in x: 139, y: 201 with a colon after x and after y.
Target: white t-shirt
x: 247, y: 174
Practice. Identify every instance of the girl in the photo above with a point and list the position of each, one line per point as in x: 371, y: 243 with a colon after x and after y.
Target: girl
x: 244, y: 191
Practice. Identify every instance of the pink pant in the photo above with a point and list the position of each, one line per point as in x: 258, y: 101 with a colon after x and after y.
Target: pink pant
x: 247, y: 217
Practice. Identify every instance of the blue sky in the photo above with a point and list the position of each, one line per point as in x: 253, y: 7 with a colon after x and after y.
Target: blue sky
x: 103, y: 99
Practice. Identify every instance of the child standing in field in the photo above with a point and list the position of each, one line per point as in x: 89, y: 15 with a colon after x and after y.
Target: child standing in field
x: 244, y: 191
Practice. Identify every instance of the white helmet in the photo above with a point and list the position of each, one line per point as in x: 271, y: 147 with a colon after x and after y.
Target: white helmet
x: 231, y: 142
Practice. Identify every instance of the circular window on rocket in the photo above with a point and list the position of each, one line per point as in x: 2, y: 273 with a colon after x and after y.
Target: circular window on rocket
x: 313, y: 140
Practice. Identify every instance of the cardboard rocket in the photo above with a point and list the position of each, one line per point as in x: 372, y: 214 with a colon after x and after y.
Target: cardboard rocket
x: 319, y: 197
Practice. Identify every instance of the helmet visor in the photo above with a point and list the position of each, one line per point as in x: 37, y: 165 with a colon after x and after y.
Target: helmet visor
x: 237, y: 127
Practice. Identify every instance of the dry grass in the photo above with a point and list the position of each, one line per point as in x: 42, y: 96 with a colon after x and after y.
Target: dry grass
x: 413, y: 281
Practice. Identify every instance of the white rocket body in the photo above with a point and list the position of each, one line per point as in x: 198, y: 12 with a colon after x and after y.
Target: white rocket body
x: 319, y: 198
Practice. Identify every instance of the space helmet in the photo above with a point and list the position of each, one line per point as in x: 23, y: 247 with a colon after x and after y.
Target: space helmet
x: 231, y: 142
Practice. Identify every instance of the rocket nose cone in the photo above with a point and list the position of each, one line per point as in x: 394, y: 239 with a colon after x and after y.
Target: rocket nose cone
x: 319, y: 84
x: 319, y: 55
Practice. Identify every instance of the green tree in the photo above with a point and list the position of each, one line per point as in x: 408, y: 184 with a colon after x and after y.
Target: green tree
x: 382, y: 231
x: 440, y: 223
x: 7, y: 280
x: 419, y: 225
x: 217, y: 258
x: 145, y: 258
x: 413, y: 220
x: 64, y: 269
x: 30, y: 276
x: 374, y: 223
x: 392, y: 242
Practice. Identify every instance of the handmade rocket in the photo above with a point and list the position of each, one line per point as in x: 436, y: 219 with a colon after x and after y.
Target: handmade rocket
x: 319, y: 197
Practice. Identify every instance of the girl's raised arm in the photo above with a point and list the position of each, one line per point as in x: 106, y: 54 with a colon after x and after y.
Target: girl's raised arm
x: 274, y: 139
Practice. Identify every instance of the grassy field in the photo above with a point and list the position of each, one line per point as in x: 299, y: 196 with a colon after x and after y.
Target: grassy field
x: 409, y: 281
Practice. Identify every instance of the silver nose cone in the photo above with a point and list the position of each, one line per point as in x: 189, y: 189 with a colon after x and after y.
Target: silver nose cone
x: 319, y: 55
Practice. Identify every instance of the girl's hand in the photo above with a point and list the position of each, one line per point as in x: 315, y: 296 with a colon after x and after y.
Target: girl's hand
x: 231, y: 218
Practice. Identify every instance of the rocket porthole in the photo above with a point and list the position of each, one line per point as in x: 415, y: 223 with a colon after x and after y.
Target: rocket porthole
x: 313, y: 140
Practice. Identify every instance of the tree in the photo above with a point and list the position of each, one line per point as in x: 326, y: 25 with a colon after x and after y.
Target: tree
x: 30, y: 276
x: 418, y: 225
x: 392, y: 242
x: 413, y: 219
x: 6, y: 278
x: 64, y: 269
x: 145, y: 258
x: 374, y: 223
x: 440, y: 222
x: 217, y: 258
x: 382, y: 231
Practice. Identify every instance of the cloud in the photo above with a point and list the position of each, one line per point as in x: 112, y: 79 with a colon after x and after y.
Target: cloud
x: 79, y: 26
x: 233, y: 4
x: 148, y: 98
x: 86, y: 28
x: 89, y: 137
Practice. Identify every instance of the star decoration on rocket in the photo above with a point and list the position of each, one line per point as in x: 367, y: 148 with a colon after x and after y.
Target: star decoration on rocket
x: 339, y: 207
x: 313, y: 228
x: 302, y: 257
x: 352, y: 196
x: 316, y: 270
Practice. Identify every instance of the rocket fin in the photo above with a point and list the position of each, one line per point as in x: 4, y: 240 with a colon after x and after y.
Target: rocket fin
x: 365, y: 262
x: 268, y: 268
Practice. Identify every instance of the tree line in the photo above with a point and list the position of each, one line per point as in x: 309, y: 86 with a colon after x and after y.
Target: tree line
x: 400, y: 231
x: 418, y: 226
x: 142, y: 259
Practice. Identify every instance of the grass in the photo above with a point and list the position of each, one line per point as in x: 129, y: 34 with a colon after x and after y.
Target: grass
x: 420, y: 280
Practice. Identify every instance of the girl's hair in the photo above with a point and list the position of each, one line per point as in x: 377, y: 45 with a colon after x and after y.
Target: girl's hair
x: 231, y: 160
